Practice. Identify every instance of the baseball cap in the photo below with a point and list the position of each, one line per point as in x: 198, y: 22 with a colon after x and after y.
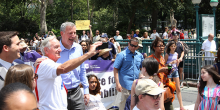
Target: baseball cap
x: 137, y: 30
x: 23, y: 44
x: 147, y: 86
x: 140, y: 42
x: 103, y: 51
x: 104, y: 36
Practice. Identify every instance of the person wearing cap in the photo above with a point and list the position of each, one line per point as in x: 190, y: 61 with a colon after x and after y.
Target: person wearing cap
x: 105, y: 54
x: 127, y: 67
x: 147, y: 95
x: 104, y: 38
x: 154, y: 34
x: 137, y: 33
x: 117, y: 36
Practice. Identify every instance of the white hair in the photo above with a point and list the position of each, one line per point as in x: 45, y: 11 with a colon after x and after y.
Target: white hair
x: 46, y: 43
x: 65, y: 24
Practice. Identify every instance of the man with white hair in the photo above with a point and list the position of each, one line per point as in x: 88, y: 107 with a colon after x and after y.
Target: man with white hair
x: 50, y: 89
x: 117, y: 36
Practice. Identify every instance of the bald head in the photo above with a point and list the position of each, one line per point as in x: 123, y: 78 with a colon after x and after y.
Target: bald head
x: 17, y: 96
x: 210, y: 37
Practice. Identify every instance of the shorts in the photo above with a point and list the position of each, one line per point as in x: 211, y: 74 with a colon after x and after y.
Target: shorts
x: 180, y: 64
x: 175, y: 74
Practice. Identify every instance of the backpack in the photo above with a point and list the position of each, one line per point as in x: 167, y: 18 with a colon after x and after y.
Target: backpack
x: 185, y: 47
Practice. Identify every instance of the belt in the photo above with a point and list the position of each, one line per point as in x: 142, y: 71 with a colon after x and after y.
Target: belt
x: 73, y: 89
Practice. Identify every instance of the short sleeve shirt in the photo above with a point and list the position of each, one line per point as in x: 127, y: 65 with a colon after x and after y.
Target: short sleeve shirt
x: 154, y: 35
x: 209, y: 46
x: 128, y: 65
x: 111, y: 45
x: 51, y: 91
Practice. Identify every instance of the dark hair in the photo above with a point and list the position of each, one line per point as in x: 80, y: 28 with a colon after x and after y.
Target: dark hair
x: 213, y: 73
x: 112, y: 38
x: 151, y: 65
x: 5, y: 38
x: 8, y: 90
x: 98, y: 87
x: 168, y: 46
x: 20, y: 73
x: 133, y: 39
x: 155, y: 42
x: 218, y: 56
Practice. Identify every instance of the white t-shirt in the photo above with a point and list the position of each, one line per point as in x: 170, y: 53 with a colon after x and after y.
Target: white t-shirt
x: 35, y: 44
x: 209, y: 46
x: 51, y: 91
x: 165, y: 34
x: 118, y: 37
x: 116, y: 45
x: 154, y: 35
x: 95, y: 103
x: 84, y: 37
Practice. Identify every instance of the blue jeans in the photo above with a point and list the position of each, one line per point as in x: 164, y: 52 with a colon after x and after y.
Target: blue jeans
x: 174, y: 74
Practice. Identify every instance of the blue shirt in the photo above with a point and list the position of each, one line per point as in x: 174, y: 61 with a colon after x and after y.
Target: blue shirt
x: 135, y: 35
x: 73, y: 78
x: 111, y: 45
x: 128, y: 65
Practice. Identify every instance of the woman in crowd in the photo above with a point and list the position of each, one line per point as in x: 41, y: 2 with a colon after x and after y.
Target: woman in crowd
x: 84, y: 45
x: 94, y: 94
x: 171, y: 57
x: 21, y: 73
x: 158, y: 48
x: 209, y: 89
x: 148, y: 71
x: 116, y: 45
x: 145, y: 36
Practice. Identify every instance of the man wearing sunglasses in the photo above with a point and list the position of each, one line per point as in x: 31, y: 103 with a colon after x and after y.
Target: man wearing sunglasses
x: 127, y: 67
x: 147, y: 95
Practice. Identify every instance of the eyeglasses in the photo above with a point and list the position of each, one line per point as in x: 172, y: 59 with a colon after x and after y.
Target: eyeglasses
x: 35, y: 77
x: 154, y: 96
x: 161, y: 46
x: 133, y: 45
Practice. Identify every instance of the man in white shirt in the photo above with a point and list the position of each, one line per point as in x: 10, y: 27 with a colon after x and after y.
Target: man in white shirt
x: 117, y: 36
x: 165, y: 35
x: 97, y: 36
x: 84, y: 36
x: 209, y: 45
x: 51, y: 91
x: 9, y: 51
x: 154, y: 34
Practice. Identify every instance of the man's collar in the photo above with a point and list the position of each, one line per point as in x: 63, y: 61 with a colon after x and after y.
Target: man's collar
x: 128, y: 51
x: 63, y: 48
x: 6, y: 64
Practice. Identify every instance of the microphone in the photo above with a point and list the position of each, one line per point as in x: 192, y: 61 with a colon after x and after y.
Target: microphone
x: 132, y: 56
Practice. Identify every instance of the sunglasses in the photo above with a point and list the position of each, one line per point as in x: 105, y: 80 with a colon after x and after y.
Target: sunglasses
x: 133, y: 45
x: 35, y: 77
x: 153, y: 96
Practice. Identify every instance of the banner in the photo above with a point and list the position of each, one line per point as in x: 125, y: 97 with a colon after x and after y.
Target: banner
x: 103, y: 69
x: 82, y: 24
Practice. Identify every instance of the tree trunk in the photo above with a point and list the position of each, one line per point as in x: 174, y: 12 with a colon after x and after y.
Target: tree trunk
x: 131, y: 20
x: 43, y: 23
x: 71, y: 10
x: 154, y: 19
x: 88, y: 9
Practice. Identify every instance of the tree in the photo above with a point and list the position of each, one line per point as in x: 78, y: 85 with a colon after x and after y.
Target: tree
x: 43, y: 24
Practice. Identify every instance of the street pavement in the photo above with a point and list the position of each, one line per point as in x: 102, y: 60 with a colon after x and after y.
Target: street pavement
x: 189, y: 96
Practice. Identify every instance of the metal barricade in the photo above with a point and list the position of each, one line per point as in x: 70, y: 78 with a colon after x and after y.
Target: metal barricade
x: 193, y: 64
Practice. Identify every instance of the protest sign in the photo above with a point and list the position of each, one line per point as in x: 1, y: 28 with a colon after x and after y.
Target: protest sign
x: 103, y: 69
x: 82, y: 24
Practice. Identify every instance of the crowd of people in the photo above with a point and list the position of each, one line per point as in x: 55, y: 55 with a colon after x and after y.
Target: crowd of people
x: 57, y: 80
